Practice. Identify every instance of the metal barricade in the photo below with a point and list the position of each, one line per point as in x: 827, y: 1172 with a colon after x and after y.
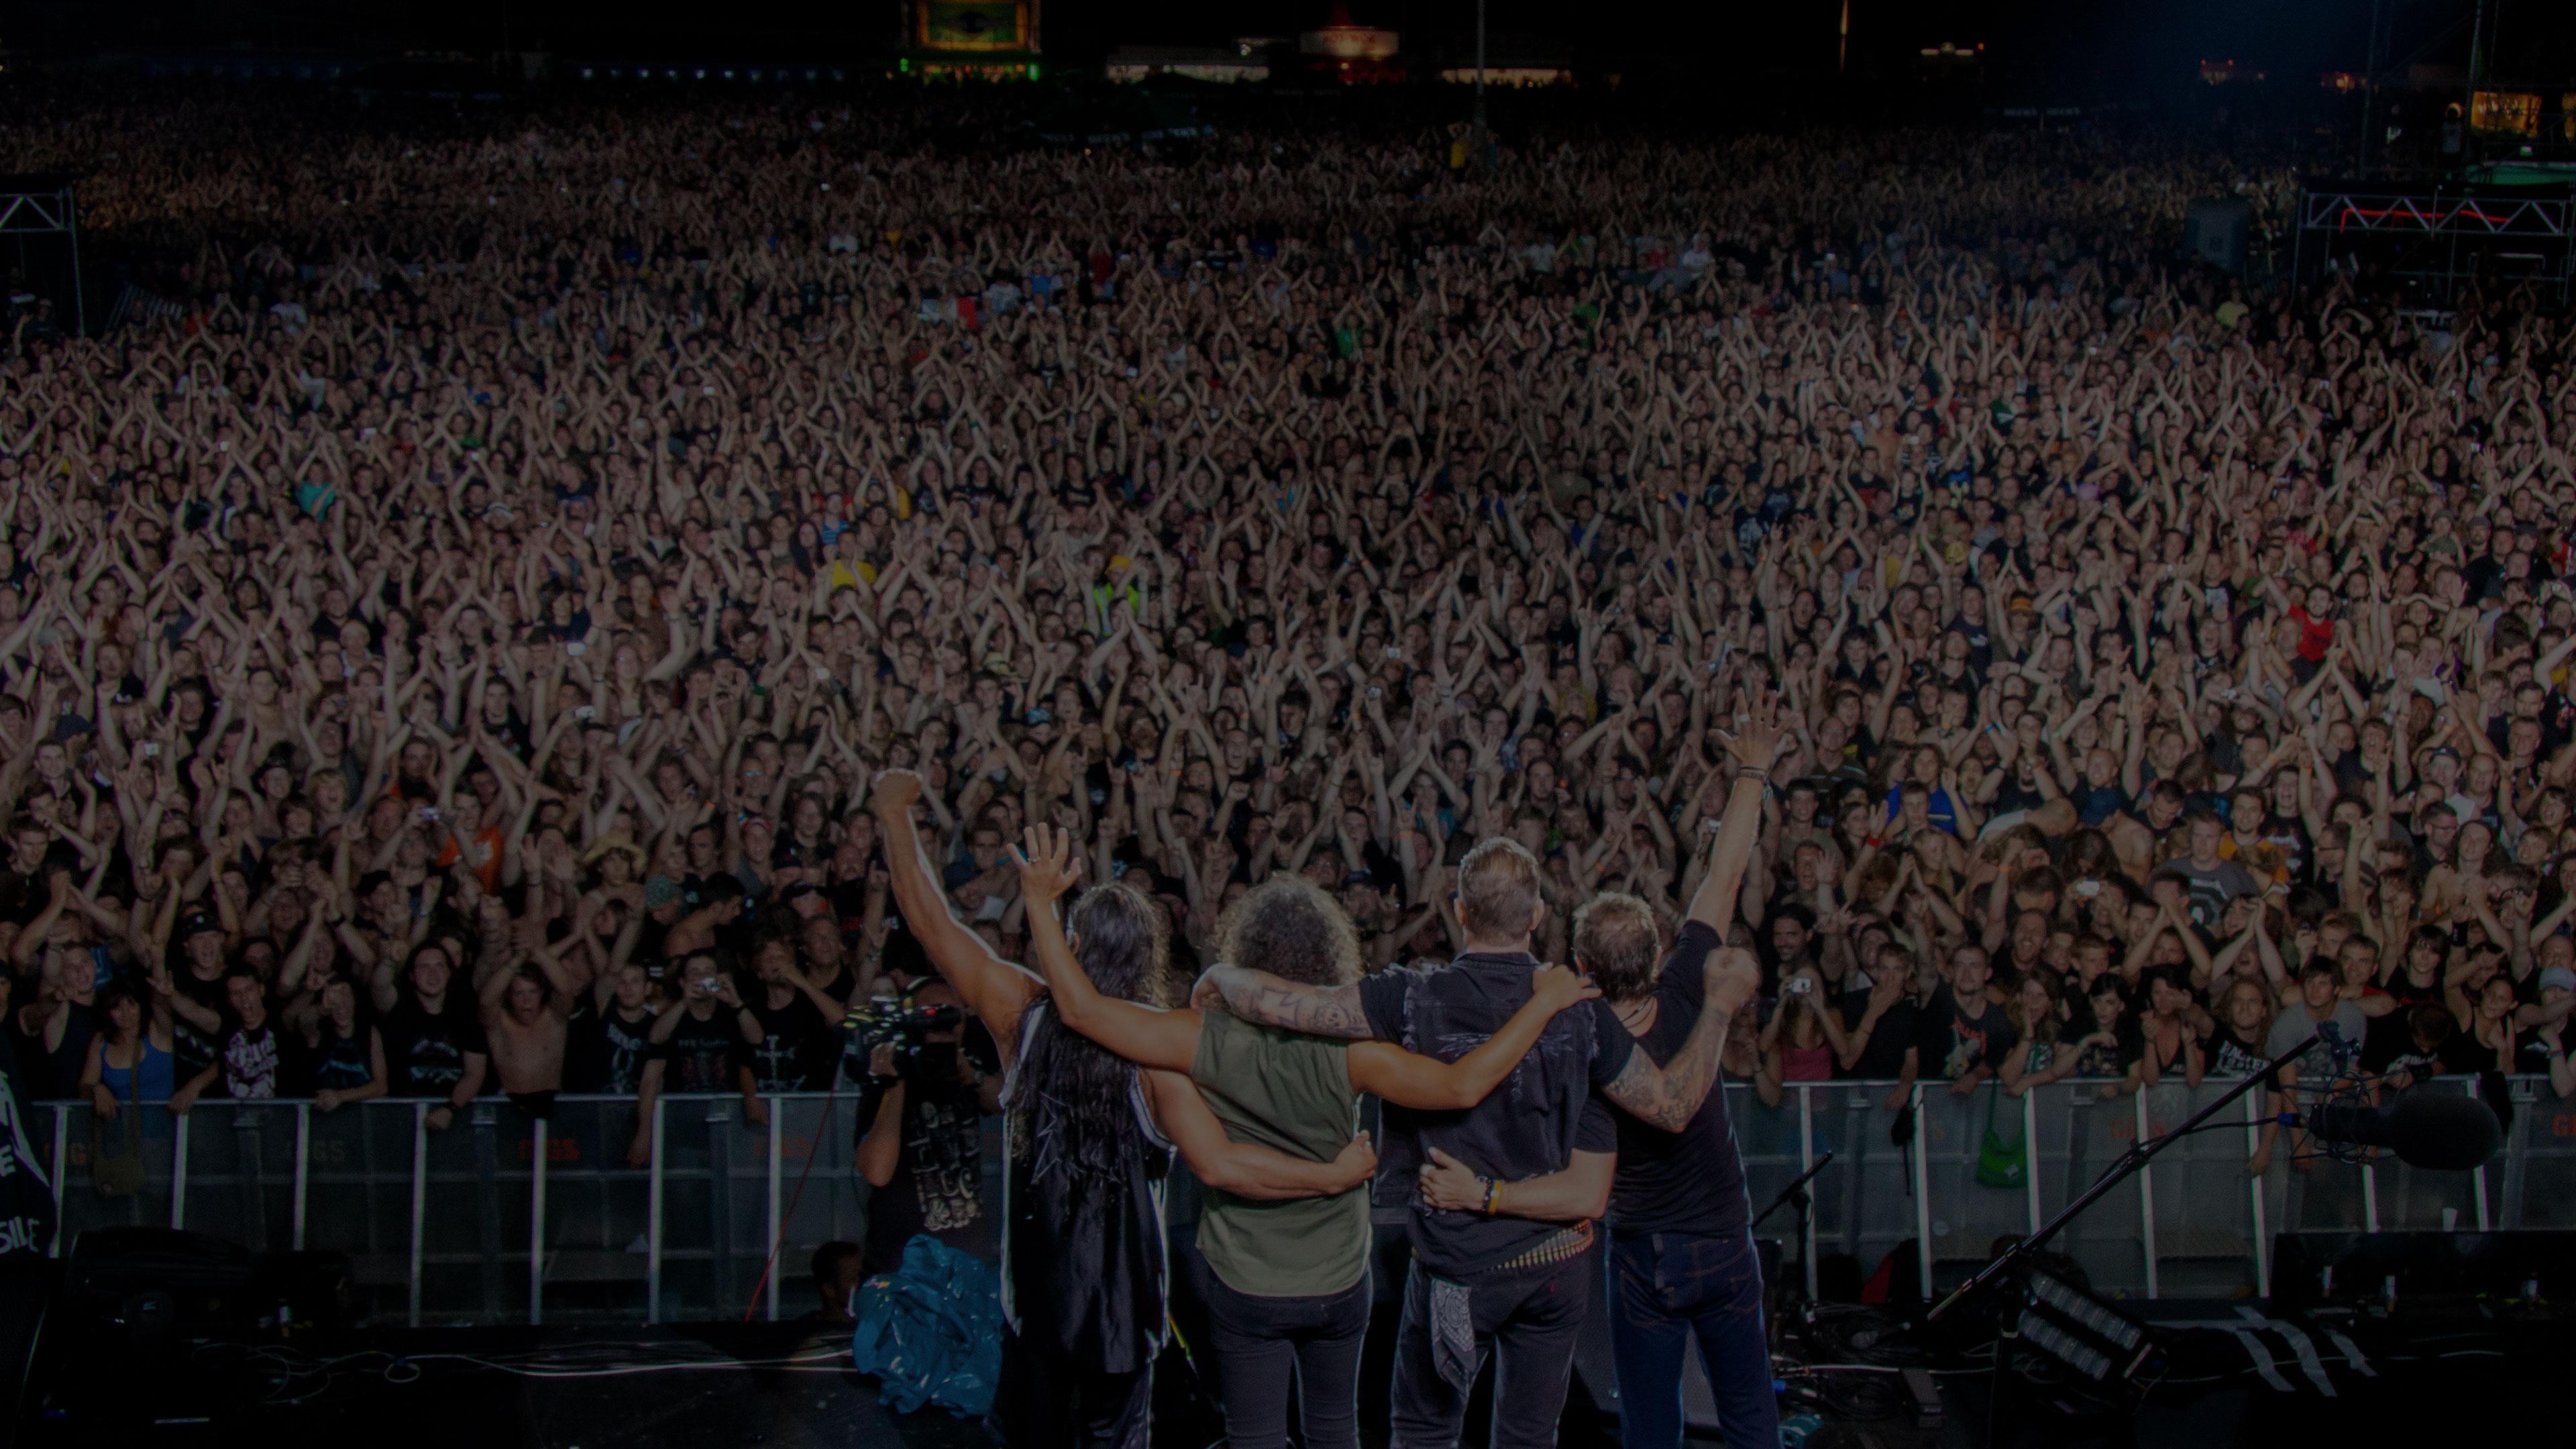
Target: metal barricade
x: 1960, y: 1218
x: 498, y: 1217
x: 1865, y: 1200
x: 2535, y: 1186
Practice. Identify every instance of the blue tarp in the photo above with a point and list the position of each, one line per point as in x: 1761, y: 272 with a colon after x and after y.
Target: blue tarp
x: 931, y: 1331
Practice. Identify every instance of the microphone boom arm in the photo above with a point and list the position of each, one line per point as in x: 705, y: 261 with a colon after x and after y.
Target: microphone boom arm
x: 2138, y: 1155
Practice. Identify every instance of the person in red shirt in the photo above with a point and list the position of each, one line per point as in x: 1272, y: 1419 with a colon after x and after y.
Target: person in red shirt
x: 2313, y: 612
x: 473, y: 835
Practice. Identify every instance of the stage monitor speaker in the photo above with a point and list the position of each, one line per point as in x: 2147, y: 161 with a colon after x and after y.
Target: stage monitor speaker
x: 2218, y: 230
x: 2323, y: 1269
x: 146, y: 1282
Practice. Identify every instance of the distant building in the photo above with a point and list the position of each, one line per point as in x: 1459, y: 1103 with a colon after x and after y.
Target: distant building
x: 1350, y: 53
x: 989, y: 39
x: 1950, y: 63
x: 1245, y: 60
x: 1514, y: 60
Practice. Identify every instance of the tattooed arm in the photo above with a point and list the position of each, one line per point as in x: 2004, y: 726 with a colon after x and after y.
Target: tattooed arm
x: 1266, y: 1000
x: 1668, y: 1096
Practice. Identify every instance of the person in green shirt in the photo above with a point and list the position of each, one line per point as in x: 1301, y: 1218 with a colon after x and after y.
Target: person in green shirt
x: 1290, y: 1277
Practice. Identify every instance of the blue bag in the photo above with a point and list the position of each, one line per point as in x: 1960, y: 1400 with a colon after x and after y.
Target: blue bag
x: 931, y: 1331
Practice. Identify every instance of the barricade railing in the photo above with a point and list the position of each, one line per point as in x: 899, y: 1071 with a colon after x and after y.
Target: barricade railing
x: 503, y: 1218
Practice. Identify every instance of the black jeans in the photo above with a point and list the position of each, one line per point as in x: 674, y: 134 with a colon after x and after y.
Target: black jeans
x: 1258, y: 1341
x: 1527, y: 1322
x: 1046, y: 1400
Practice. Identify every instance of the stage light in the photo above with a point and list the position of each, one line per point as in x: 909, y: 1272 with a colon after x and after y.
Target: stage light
x: 2073, y: 1328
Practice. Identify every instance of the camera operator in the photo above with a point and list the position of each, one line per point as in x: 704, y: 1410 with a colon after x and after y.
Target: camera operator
x: 923, y: 1151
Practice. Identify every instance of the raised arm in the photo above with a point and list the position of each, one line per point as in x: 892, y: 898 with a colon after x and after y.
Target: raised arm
x: 1751, y: 751
x: 996, y: 990
x: 1670, y: 1095
x: 1169, y: 1040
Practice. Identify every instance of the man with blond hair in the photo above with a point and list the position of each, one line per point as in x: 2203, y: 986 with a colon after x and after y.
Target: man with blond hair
x: 1681, y: 1239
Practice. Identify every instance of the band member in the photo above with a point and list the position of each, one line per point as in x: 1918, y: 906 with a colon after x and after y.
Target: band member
x: 1088, y: 1139
x: 1507, y: 1278
x: 1291, y: 1286
x: 1681, y: 1240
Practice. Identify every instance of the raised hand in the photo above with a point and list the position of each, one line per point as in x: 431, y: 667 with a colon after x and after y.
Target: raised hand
x: 895, y: 790
x: 1049, y: 865
x: 1755, y: 741
x: 1733, y: 973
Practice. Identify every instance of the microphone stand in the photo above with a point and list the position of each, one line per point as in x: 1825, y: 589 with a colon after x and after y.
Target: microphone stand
x: 2138, y: 1155
x: 1795, y: 1195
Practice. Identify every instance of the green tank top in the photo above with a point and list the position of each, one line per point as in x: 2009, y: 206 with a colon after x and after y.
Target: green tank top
x: 1293, y: 1093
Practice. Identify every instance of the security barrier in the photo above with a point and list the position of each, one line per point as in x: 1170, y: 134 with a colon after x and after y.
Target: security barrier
x: 500, y: 1218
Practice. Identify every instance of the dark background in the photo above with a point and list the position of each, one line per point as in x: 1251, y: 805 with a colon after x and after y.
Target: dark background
x: 2049, y: 50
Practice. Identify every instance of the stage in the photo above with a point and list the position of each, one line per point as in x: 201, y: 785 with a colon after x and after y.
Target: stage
x: 2234, y: 1375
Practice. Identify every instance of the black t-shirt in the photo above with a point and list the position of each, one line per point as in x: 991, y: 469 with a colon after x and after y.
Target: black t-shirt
x: 1955, y: 1044
x: 425, y: 1053
x: 1691, y: 1181
x: 339, y: 1063
x: 193, y: 1051
x: 938, y: 1182
x: 700, y: 1054
x: 1899, y: 1030
x: 2392, y: 1034
x: 797, y: 1047
x: 615, y: 1052
x: 1530, y: 1127
x: 2127, y: 1045
x: 2232, y: 1056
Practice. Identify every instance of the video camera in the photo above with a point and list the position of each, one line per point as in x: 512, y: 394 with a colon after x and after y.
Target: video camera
x: 906, y: 1026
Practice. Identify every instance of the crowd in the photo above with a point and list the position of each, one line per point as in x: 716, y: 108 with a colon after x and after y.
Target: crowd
x: 449, y: 636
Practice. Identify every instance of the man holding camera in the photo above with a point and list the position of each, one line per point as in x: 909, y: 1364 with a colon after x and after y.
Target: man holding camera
x: 699, y: 1041
x: 924, y: 1150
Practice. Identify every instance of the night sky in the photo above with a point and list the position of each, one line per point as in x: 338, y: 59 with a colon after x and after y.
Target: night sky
x: 2065, y: 47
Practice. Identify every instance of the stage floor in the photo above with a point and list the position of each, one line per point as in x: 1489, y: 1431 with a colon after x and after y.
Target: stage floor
x: 2239, y: 1377
x: 782, y: 1386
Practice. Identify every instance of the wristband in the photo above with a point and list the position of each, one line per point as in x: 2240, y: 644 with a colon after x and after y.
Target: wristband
x: 1748, y: 772
x: 1493, y: 1193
